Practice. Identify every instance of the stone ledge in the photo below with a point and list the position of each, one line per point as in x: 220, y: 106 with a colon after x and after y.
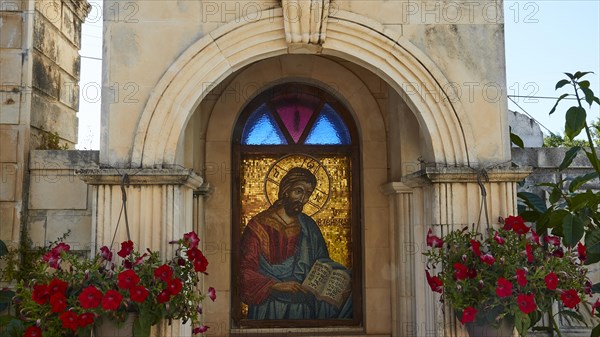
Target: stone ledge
x: 465, y: 175
x: 110, y: 176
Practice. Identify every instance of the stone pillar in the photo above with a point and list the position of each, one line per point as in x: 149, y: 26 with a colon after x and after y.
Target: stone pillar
x: 159, y: 207
x: 444, y: 199
x: 402, y: 250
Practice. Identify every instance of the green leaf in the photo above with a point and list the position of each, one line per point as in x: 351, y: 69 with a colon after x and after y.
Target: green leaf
x: 6, y: 297
x: 569, y: 156
x: 584, y: 84
x: 557, y: 101
x: 142, y: 324
x: 597, y: 100
x: 533, y: 201
x: 522, y: 323
x: 580, y: 180
x: 3, y: 248
x: 570, y: 75
x: 11, y: 326
x: 574, y: 121
x: 579, y: 201
x: 572, y: 230
x: 572, y: 314
x: 589, y: 95
x: 580, y: 74
x: 530, y: 216
x: 555, y: 195
x: 595, y: 331
x: 593, y: 160
x: 516, y: 140
x: 596, y: 288
x: 561, y: 84
x: 592, y: 245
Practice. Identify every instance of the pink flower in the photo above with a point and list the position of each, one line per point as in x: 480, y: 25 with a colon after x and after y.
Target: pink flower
x: 434, y: 241
x: 191, y: 239
x: 106, y: 253
x: 534, y: 237
x: 212, y: 294
x: 553, y: 240
x: 200, y: 329
x: 504, y: 288
x: 521, y: 277
x: 488, y: 259
x: 595, y: 306
x: 498, y: 239
x: 468, y: 315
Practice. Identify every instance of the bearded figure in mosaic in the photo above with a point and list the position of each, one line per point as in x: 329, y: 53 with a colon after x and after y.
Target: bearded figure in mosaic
x: 285, y: 263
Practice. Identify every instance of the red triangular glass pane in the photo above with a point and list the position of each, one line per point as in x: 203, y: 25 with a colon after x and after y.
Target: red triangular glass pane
x: 295, y: 118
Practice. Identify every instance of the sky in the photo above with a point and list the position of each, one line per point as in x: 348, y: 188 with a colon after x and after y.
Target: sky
x: 543, y: 39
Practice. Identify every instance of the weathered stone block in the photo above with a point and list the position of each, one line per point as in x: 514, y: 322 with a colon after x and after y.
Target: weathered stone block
x: 11, y: 5
x: 68, y: 57
x: 10, y: 63
x: 11, y: 32
x: 51, y: 10
x: 10, y: 104
x: 80, y: 224
x: 9, y: 228
x: 52, y: 116
x: 46, y: 76
x: 8, y: 181
x: 56, y: 189
x: 69, y: 91
x: 71, y: 26
x: 45, y: 37
x: 9, y: 140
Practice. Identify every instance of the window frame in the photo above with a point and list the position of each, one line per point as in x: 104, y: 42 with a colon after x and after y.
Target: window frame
x: 352, y: 151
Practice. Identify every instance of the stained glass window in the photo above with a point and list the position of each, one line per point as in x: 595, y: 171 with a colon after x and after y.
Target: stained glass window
x: 296, y: 218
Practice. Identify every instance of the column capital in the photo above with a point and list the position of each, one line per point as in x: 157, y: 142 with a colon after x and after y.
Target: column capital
x: 465, y: 174
x: 111, y: 176
x: 395, y: 187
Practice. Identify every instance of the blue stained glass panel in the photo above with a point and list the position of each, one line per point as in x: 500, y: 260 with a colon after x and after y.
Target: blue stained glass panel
x: 329, y: 128
x: 261, y: 129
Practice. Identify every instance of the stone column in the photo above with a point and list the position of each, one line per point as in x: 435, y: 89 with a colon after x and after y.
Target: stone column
x: 159, y: 208
x: 452, y: 198
x: 402, y: 250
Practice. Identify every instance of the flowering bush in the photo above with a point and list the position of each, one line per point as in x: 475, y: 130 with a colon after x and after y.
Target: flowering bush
x: 512, y: 274
x: 66, y: 295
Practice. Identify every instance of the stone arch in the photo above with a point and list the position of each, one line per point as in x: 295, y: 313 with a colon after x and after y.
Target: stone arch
x: 350, y: 36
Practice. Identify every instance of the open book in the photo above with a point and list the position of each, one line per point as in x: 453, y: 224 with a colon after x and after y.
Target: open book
x: 328, y: 284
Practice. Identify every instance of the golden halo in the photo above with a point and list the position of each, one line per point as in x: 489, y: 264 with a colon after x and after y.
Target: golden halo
x: 277, y: 171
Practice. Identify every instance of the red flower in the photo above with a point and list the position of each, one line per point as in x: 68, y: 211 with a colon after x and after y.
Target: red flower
x: 551, y: 281
x: 126, y: 249
x: 435, y: 283
x: 461, y: 271
x: 163, y: 272
x: 529, y: 252
x: 85, y: 319
x: 468, y: 315
x: 58, y: 301
x: 40, y: 294
x: 504, y: 287
x: 521, y: 277
x: 164, y: 296
x: 434, y: 241
x: 526, y: 303
x: 498, y: 239
x: 212, y: 294
x: 581, y: 250
x: 69, y: 320
x: 511, y: 221
x: 106, y: 253
x: 191, y: 239
x: 57, y: 286
x: 558, y: 252
x: 535, y: 237
x: 33, y: 331
x: 570, y: 298
x: 128, y: 279
x: 476, y: 247
x: 193, y: 253
x: 138, y: 294
x: 90, y: 297
x: 53, y: 256
x: 488, y: 259
x: 200, y: 329
x: 520, y: 227
x: 174, y: 286
x: 553, y: 240
x: 200, y: 263
x: 111, y: 300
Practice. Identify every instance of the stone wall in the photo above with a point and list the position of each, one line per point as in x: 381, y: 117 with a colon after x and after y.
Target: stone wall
x: 39, y: 43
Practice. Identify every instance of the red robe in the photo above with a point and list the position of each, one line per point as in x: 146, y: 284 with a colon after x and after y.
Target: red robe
x: 264, y: 235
